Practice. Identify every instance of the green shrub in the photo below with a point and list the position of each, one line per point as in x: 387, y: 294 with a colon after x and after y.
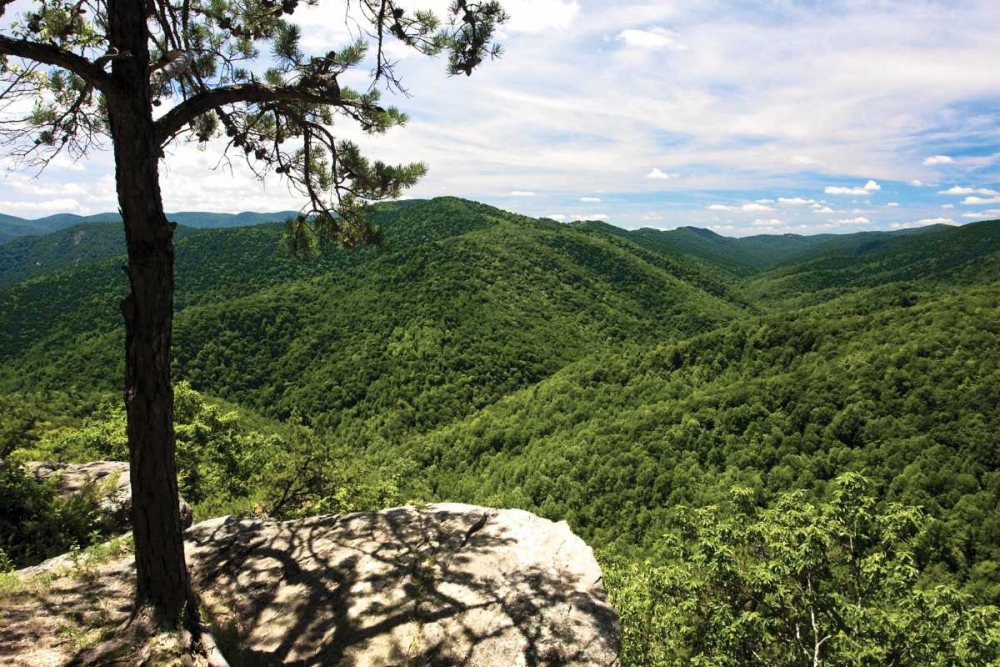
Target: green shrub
x: 37, y: 523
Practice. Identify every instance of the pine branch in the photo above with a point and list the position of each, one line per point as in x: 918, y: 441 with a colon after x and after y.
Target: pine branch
x: 46, y: 54
x: 254, y: 93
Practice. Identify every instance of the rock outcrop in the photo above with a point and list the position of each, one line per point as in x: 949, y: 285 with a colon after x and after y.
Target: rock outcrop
x: 447, y: 584
x: 438, y: 585
x: 110, y: 478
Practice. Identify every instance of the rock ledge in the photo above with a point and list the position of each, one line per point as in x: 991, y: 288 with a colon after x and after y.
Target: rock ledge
x: 447, y: 584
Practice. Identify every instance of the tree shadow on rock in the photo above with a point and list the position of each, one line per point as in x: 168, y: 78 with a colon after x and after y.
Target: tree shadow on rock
x: 449, y: 585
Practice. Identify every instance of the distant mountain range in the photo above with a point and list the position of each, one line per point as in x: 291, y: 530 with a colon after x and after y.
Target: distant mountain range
x: 12, y: 227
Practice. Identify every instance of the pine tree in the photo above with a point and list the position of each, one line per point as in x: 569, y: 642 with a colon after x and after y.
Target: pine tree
x: 143, y: 75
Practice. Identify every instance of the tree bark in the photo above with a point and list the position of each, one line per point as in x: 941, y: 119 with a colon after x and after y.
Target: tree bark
x: 163, y: 591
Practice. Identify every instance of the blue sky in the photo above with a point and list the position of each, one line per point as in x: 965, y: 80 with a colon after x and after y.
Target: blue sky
x: 744, y: 117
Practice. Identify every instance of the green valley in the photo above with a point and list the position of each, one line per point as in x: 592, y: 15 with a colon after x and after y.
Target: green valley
x: 605, y: 377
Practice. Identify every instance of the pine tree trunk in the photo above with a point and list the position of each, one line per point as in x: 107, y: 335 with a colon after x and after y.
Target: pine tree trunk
x: 163, y: 592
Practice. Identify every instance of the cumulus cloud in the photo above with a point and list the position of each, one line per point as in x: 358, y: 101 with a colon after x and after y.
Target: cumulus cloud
x: 936, y: 160
x: 652, y: 38
x: 521, y: 193
x: 590, y: 199
x: 860, y: 220
x: 975, y: 201
x: 867, y: 188
x: 796, y: 201
x: 958, y: 190
x: 948, y: 206
x: 825, y: 209
x: 804, y: 160
x: 892, y: 204
x: 766, y: 222
x: 558, y: 217
x: 659, y: 175
x: 916, y: 183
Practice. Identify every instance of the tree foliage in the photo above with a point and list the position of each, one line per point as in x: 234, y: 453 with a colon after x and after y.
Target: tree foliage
x: 797, y: 583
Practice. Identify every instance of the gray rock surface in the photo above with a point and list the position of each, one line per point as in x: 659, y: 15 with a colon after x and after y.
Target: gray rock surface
x: 111, y: 478
x: 447, y: 584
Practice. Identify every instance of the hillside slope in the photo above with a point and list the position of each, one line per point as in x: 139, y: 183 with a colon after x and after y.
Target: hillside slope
x: 30, y: 256
x: 900, y: 385
x: 933, y: 258
x: 465, y: 305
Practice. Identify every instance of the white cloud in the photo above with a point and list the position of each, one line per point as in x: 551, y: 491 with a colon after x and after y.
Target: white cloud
x: 657, y: 174
x: 923, y: 223
x: 825, y: 209
x: 561, y: 108
x: 558, y: 217
x: 590, y: 199
x: 852, y: 221
x: 31, y: 187
x: 976, y: 201
x: 983, y: 215
x: 766, y: 222
x: 753, y: 207
x: 958, y: 190
x: 916, y: 183
x: 41, y: 207
x: 892, y: 204
x: 653, y: 38
x: 521, y: 193
x: 533, y: 16
x: 867, y: 188
x: 935, y: 160
x: 948, y: 206
x: 796, y: 201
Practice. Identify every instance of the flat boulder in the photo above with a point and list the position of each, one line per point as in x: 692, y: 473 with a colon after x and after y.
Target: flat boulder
x: 444, y: 584
x: 109, y: 478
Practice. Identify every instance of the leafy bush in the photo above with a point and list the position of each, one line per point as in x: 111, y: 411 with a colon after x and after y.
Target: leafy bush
x: 37, y: 523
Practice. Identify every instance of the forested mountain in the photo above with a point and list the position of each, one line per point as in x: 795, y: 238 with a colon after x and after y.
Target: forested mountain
x: 738, y: 255
x: 79, y: 245
x: 12, y: 227
x: 583, y: 372
x: 463, y: 306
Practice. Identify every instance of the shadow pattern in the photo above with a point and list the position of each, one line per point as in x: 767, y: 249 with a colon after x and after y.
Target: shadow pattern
x: 447, y: 585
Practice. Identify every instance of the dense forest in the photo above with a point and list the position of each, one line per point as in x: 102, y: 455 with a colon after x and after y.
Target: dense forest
x: 715, y: 416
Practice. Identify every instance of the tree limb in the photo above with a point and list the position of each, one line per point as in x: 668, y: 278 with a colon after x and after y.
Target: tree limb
x: 174, y: 120
x: 57, y: 57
